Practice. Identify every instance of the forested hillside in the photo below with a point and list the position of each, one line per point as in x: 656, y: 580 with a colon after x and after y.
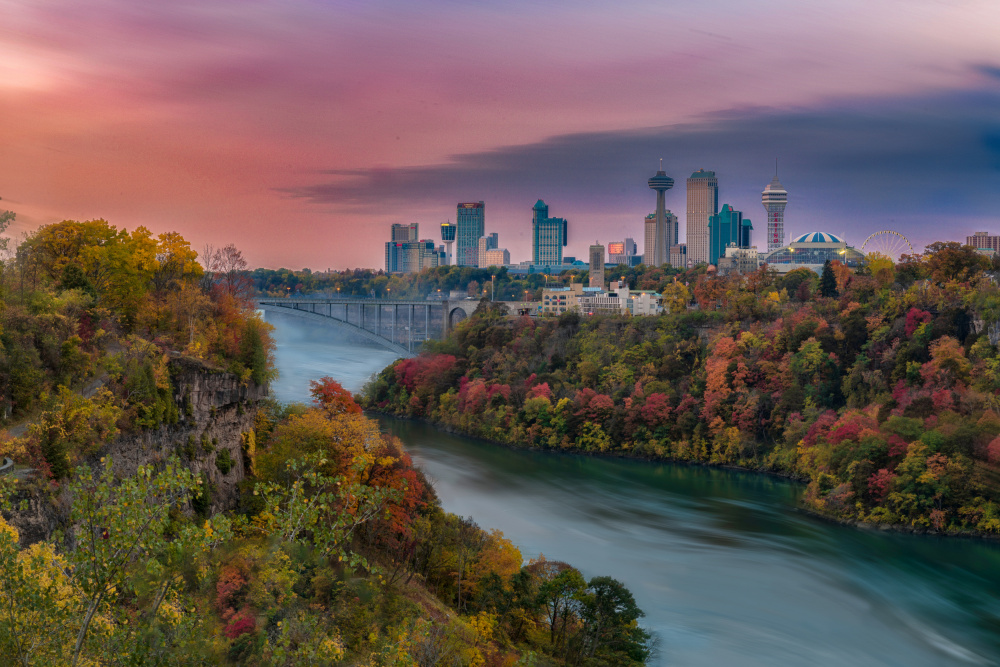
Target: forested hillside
x: 327, y: 546
x: 880, y: 388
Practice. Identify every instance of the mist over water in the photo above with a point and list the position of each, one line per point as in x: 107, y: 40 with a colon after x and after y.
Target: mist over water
x: 307, y: 350
x: 728, y: 571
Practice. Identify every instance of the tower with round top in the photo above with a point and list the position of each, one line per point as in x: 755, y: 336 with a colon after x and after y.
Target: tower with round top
x: 662, y: 241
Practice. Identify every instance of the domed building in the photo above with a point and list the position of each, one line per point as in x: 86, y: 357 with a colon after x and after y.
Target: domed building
x: 811, y: 251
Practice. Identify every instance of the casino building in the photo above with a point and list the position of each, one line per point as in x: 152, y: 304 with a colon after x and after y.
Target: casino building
x: 811, y: 251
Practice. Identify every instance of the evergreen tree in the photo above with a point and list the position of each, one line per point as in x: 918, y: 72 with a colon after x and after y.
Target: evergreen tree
x: 827, y: 281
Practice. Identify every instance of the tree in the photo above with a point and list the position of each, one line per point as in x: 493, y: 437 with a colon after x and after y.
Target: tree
x: 175, y: 261
x: 332, y: 397
x: 230, y: 272
x: 120, y: 549
x: 610, y: 622
x: 320, y: 510
x: 953, y: 261
x: 828, y: 281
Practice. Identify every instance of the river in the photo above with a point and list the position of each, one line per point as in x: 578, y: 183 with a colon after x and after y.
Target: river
x: 727, y: 569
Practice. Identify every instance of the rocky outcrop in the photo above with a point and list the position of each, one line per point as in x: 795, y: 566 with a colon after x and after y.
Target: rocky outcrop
x: 215, y: 412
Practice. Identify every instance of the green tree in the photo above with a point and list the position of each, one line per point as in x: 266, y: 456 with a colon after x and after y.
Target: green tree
x: 828, y: 281
x: 611, y: 623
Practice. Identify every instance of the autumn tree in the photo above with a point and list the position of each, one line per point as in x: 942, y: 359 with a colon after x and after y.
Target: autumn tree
x: 954, y: 261
x: 332, y: 397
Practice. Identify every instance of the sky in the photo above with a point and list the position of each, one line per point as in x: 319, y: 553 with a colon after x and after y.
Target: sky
x: 301, y: 130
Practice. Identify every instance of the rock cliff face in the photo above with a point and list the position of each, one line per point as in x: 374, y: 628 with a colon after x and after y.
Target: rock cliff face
x: 216, y: 414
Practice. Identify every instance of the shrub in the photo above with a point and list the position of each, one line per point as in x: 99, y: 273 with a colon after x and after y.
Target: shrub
x: 224, y: 462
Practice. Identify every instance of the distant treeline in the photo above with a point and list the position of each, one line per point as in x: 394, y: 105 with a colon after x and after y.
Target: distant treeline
x: 881, y: 387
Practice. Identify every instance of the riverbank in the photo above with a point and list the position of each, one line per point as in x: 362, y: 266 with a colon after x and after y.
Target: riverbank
x: 789, y: 476
x: 722, y: 559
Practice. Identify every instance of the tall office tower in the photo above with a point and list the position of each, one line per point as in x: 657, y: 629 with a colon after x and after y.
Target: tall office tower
x: 702, y: 203
x: 774, y: 197
x: 471, y: 223
x: 597, y: 265
x: 649, y: 235
x: 405, y: 232
x: 727, y: 228
x: 670, y: 223
x: 662, y: 238
x: 548, y: 235
x: 492, y: 241
x: 448, y: 236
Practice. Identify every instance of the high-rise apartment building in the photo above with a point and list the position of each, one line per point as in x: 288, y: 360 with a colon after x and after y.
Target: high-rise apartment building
x: 775, y: 197
x: 649, y: 250
x: 727, y: 228
x: 597, y: 265
x: 408, y: 232
x: 448, y: 236
x: 702, y: 203
x: 662, y: 235
x: 470, y: 226
x: 548, y: 235
x: 983, y: 241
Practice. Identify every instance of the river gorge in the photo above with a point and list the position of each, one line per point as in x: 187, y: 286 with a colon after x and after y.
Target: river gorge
x: 727, y: 568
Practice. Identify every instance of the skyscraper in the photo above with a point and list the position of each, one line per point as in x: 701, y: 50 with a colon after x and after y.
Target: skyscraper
x: 649, y: 239
x: 470, y: 224
x: 548, y: 235
x: 670, y: 222
x: 597, y: 265
x: 662, y: 237
x: 702, y: 203
x: 725, y: 228
x: 774, y: 197
x: 448, y: 236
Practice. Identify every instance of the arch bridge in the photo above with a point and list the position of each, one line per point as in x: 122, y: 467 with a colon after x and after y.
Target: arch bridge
x: 399, y: 325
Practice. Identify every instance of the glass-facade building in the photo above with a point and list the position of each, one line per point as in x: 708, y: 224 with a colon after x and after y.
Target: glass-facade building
x: 725, y: 228
x: 812, y: 250
x: 548, y: 235
x: 470, y: 226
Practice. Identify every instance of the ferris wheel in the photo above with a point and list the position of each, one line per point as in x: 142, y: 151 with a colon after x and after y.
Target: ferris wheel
x: 888, y: 243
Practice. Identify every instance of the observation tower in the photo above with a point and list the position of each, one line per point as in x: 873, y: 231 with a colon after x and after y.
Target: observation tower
x: 448, y: 236
x: 661, y: 241
x: 775, y: 197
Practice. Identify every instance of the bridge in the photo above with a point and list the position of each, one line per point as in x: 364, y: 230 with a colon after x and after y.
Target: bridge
x: 400, y: 325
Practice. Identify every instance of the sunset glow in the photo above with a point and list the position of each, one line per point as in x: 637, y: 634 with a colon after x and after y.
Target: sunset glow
x: 301, y: 130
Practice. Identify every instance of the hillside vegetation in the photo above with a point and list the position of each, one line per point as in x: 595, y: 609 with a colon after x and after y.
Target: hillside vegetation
x: 880, y: 388
x: 336, y: 551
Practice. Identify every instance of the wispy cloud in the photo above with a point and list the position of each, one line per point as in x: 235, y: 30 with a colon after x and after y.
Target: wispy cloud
x: 902, y: 162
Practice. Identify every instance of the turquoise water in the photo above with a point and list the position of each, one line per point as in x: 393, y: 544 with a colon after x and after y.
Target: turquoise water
x: 727, y: 569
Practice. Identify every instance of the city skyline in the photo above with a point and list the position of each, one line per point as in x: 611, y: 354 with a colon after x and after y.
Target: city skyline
x: 226, y: 123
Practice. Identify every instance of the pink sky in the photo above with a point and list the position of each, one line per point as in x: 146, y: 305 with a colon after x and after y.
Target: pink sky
x: 202, y: 117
